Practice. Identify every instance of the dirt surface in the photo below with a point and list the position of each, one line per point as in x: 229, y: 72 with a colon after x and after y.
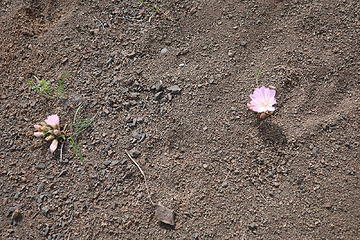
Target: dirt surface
x: 225, y: 173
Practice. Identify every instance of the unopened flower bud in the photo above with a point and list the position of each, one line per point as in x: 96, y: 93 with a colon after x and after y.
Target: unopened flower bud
x: 49, y: 138
x: 57, y: 132
x: 37, y: 126
x: 38, y: 134
x: 53, y: 145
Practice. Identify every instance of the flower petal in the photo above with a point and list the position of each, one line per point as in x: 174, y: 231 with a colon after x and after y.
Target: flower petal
x: 262, y: 100
x: 53, y: 120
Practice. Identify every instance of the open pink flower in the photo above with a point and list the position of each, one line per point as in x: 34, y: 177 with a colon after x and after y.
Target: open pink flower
x: 262, y: 100
x: 54, y: 145
x: 53, y: 120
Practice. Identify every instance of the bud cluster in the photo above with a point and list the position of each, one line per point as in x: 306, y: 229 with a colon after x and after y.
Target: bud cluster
x: 50, y: 130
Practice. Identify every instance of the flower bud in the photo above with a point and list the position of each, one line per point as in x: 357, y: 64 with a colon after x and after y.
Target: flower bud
x: 49, y: 138
x: 39, y: 134
x: 53, y: 145
x: 37, y: 127
x: 57, y: 132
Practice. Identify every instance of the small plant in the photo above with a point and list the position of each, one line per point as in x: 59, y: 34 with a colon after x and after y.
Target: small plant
x: 50, y: 130
x: 258, y: 73
x: 262, y: 101
x: 78, y: 126
x: 151, y: 6
x: 43, y: 86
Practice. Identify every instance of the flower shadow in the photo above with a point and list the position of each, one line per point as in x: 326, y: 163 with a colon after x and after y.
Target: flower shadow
x: 271, y: 133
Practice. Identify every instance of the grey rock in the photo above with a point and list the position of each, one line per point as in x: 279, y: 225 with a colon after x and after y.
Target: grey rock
x: 40, y: 188
x: 195, y: 236
x: 164, y: 51
x: 158, y: 96
x: 174, y: 89
x: 243, y: 43
x: 107, y: 162
x: 114, y: 163
x: 157, y: 87
x: 40, y: 166
x: 45, y: 211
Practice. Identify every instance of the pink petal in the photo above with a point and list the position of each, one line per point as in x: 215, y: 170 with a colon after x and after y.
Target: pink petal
x: 262, y: 100
x: 53, y: 120
x: 54, y: 145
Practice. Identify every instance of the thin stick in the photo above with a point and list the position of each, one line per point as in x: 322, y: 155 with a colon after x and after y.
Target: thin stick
x: 76, y: 112
x: 146, y: 185
x: 61, y: 151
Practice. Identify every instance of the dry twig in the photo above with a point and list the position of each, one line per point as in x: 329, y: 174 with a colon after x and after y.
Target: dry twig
x: 142, y: 172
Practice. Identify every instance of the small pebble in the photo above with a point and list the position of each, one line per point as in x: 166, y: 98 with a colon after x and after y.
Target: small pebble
x: 243, y: 43
x: 164, y: 51
x: 40, y: 166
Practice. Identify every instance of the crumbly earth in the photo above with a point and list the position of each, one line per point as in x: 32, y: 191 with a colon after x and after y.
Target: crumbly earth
x: 225, y: 173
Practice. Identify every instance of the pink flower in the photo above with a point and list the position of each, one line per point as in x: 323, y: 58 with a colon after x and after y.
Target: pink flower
x: 262, y: 100
x: 38, y: 134
x: 54, y: 145
x: 53, y: 120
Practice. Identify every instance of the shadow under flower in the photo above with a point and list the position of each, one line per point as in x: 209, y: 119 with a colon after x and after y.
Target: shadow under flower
x: 271, y: 133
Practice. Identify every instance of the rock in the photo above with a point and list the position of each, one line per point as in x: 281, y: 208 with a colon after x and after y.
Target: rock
x: 16, y: 216
x: 174, y: 89
x: 40, y: 166
x: 134, y: 95
x: 224, y: 184
x: 231, y: 53
x: 243, y: 43
x: 157, y: 87
x: 107, y: 162
x: 158, y: 96
x: 114, y: 163
x: 205, y: 166
x: 195, y: 236
x: 40, y: 188
x: 164, y: 51
x: 253, y: 226
x: 45, y: 211
x: 182, y: 52
x: 10, y: 211
x: 135, y: 153
x: 165, y: 215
